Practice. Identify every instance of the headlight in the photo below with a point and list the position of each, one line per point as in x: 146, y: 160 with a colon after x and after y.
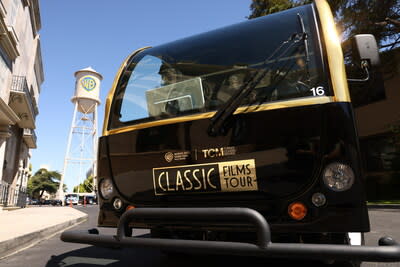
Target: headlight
x: 318, y: 199
x: 118, y: 204
x: 338, y: 177
x: 106, y: 188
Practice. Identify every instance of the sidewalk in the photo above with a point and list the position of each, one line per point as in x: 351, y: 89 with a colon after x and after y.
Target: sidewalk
x: 383, y: 206
x: 24, y: 227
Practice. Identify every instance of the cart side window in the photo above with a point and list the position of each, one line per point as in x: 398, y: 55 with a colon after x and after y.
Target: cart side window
x: 144, y: 77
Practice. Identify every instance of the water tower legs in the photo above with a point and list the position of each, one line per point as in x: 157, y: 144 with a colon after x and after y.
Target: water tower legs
x: 81, y: 153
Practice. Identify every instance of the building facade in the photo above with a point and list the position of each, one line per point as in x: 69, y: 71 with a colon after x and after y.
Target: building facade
x: 378, y: 125
x: 21, y: 75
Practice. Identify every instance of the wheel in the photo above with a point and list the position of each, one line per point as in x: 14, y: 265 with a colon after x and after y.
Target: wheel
x: 159, y: 233
x: 169, y: 254
x: 352, y: 239
x: 301, y: 87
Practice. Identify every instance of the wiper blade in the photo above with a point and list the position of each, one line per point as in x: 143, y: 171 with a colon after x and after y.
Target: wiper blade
x: 219, y: 119
x: 305, y: 38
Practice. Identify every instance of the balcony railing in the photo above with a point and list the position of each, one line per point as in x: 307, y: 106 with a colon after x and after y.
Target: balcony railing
x: 30, y: 138
x: 19, y: 84
x: 22, y: 102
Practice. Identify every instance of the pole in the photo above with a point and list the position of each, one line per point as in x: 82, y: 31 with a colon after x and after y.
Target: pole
x: 95, y: 148
x: 81, y: 155
x: 61, y: 186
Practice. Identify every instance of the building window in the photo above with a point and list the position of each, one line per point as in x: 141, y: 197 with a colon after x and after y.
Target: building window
x: 4, y: 60
x: 5, y: 69
x: 381, y: 155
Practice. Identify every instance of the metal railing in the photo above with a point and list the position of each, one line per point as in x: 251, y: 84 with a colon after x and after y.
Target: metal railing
x: 10, y: 196
x: 19, y: 84
x: 30, y: 132
x: 4, y: 188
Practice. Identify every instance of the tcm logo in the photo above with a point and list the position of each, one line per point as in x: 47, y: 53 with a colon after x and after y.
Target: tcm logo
x: 88, y: 83
x: 213, y: 152
x: 219, y: 152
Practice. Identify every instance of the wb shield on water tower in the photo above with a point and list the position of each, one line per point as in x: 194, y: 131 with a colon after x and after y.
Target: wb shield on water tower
x: 87, y: 90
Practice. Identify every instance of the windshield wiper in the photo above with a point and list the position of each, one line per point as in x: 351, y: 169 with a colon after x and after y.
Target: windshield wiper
x: 219, y: 119
x: 305, y: 41
x: 305, y: 38
x: 285, y: 70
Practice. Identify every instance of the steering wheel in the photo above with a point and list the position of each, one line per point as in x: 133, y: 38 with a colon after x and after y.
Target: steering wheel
x: 302, y: 87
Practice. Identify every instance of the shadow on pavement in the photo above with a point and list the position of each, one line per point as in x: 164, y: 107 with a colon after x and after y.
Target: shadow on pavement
x: 96, y: 257
x: 112, y: 257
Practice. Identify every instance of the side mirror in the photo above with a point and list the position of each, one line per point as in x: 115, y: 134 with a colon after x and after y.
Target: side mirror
x: 364, y: 47
x: 363, y: 65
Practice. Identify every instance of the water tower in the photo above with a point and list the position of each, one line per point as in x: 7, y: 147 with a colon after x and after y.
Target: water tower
x: 81, y: 153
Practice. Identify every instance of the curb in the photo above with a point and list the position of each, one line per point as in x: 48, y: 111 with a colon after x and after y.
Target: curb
x: 383, y: 206
x: 11, y: 246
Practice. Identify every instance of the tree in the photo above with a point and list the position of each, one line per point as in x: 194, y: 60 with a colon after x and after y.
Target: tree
x: 86, y: 186
x: 378, y: 17
x: 43, y: 181
x: 264, y: 7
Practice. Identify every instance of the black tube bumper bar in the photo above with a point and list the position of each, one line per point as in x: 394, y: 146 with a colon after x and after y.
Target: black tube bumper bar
x: 387, y: 251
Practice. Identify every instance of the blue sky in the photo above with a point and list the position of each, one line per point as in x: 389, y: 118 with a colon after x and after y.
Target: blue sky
x: 76, y: 34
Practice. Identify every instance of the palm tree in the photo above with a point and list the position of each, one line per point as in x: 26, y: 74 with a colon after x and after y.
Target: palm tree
x: 43, y: 181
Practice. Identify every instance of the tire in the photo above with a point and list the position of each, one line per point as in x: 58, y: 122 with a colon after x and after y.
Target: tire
x: 352, y: 239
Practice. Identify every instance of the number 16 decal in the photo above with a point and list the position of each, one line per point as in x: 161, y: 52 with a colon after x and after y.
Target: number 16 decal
x: 318, y: 91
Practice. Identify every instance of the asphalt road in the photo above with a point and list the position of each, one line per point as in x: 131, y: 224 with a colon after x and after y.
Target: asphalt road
x: 55, y: 253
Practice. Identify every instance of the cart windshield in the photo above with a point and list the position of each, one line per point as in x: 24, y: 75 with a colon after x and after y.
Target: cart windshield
x: 200, y: 74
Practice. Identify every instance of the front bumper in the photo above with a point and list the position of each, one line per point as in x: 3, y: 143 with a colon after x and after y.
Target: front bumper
x: 387, y: 251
